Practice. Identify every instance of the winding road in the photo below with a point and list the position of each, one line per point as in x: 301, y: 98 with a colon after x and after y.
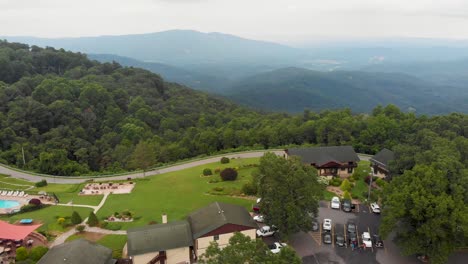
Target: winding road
x: 73, y: 179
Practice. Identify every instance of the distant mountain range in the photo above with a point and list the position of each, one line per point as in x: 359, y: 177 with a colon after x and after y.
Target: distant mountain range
x: 413, y: 75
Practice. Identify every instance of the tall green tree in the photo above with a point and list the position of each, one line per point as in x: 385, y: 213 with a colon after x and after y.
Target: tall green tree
x: 242, y: 249
x: 290, y: 193
x: 143, y: 157
x: 426, y: 211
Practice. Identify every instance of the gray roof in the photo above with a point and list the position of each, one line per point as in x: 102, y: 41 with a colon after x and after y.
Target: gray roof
x: 216, y: 215
x: 77, y: 252
x: 383, y: 157
x: 322, y: 155
x: 161, y: 237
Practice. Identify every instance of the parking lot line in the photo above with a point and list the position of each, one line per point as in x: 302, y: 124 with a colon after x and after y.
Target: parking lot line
x: 333, y: 235
x: 346, y: 241
x: 321, y: 238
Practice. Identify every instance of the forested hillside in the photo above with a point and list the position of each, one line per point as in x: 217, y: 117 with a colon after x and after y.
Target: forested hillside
x: 75, y: 116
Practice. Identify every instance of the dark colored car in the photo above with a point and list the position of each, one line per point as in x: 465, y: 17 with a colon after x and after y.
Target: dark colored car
x: 378, y: 243
x: 346, y: 206
x: 339, y: 240
x: 352, y: 238
x: 315, y: 225
x: 351, y: 227
x: 327, y: 239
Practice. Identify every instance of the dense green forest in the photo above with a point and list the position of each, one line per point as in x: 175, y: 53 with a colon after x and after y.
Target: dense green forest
x: 75, y: 116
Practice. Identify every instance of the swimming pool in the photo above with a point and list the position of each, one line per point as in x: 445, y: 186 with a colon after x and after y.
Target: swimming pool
x: 5, y: 204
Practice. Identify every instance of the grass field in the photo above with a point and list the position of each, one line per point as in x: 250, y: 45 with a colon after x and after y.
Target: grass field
x: 8, y: 183
x: 176, y: 194
x: 48, y: 216
x: 114, y: 242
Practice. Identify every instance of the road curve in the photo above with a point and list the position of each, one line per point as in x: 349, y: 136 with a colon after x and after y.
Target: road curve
x: 72, y: 180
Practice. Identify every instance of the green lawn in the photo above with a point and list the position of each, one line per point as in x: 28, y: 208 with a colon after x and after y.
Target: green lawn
x: 48, y: 216
x: 176, y: 194
x: 114, y: 242
x: 8, y: 183
x: 327, y: 195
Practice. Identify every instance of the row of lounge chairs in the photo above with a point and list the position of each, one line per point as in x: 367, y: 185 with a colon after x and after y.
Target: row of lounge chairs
x: 13, y: 193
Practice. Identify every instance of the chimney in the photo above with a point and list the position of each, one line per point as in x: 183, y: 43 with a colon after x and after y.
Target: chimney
x: 164, y: 218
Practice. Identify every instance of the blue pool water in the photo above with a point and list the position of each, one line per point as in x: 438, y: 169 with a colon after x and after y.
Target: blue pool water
x: 5, y: 204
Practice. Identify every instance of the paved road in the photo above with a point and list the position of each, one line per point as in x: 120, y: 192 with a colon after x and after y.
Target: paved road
x: 70, y: 180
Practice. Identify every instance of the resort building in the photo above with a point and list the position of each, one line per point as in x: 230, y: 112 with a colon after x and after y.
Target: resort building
x: 380, y: 163
x: 78, y: 251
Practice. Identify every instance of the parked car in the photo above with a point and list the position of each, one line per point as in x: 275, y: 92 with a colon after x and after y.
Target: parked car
x: 347, y: 206
x: 335, y: 203
x: 266, y: 231
x: 351, y: 227
x: 366, y: 239
x: 259, y: 200
x: 315, y: 225
x: 352, y: 239
x: 327, y: 239
x: 339, y: 240
x: 375, y: 208
x: 259, y: 218
x: 327, y: 224
x: 378, y: 242
x: 276, y: 247
x: 256, y: 208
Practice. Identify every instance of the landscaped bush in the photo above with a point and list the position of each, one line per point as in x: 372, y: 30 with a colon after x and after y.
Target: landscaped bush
x: 229, y: 174
x: 224, y: 160
x: 249, y: 188
x: 346, y: 195
x: 217, y: 170
x: 37, y: 253
x: 323, y: 180
x: 114, y: 226
x: 21, y: 254
x: 207, y: 172
x: 41, y: 183
x: 80, y: 228
x: 380, y: 182
x: 60, y: 221
x: 336, y: 182
x: 345, y: 185
x: 35, y: 201
x: 92, y: 219
x: 76, y: 218
x: 30, y: 207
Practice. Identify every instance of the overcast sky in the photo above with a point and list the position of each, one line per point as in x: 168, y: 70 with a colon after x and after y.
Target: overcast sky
x: 284, y: 21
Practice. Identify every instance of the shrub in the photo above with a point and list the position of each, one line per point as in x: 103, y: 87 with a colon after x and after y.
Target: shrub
x: 367, y: 179
x: 249, y: 188
x: 114, y: 226
x: 76, y: 218
x: 35, y: 201
x: 80, y: 228
x: 346, y: 195
x: 224, y: 160
x: 21, y: 254
x: 323, y: 180
x: 37, y: 253
x: 229, y: 174
x: 103, y: 224
x: 207, y: 172
x: 217, y: 170
x: 92, y: 219
x: 30, y: 207
x: 380, y: 182
x: 336, y: 182
x: 41, y: 183
x: 60, y: 221
x: 345, y: 185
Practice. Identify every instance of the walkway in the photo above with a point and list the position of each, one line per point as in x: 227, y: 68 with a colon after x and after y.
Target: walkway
x: 70, y: 180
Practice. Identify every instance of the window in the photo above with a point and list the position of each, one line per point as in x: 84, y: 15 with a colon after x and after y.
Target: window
x: 216, y: 237
x: 350, y: 170
x: 343, y: 169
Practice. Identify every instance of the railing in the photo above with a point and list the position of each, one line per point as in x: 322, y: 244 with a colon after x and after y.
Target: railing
x: 160, y: 258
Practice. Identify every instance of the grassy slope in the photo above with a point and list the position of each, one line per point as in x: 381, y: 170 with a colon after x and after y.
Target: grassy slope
x: 176, y: 194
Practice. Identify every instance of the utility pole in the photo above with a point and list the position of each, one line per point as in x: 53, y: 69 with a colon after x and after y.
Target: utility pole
x: 24, y: 160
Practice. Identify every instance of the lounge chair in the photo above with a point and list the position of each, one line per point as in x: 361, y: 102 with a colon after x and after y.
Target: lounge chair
x: 21, y: 194
x: 9, y: 193
x: 3, y: 193
x: 15, y: 193
x: 25, y: 195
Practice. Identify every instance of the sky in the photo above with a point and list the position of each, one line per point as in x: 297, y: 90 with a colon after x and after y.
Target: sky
x: 283, y: 21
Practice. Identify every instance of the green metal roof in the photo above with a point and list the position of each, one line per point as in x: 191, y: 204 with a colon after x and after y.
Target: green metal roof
x: 216, y: 215
x: 160, y: 237
x: 77, y: 252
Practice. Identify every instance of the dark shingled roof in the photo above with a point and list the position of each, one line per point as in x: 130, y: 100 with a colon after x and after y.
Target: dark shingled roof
x: 383, y: 157
x: 322, y: 155
x: 161, y: 237
x: 77, y: 252
x: 216, y: 215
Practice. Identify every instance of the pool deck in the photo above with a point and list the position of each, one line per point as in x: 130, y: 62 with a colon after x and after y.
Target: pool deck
x: 21, y: 200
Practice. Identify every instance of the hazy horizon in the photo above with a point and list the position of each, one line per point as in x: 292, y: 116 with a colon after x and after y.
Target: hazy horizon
x: 288, y: 22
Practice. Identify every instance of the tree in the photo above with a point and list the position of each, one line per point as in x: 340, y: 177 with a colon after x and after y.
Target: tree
x: 228, y: 174
x: 345, y: 185
x: 92, y: 219
x: 76, y: 218
x: 242, y: 249
x: 346, y: 195
x: 21, y: 254
x: 37, y: 253
x: 224, y: 160
x: 426, y: 212
x: 143, y: 157
x: 207, y: 172
x: 80, y: 228
x: 290, y: 193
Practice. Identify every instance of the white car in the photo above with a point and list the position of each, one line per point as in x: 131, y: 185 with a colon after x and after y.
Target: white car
x: 366, y: 239
x: 335, y: 203
x: 276, y: 247
x: 375, y: 208
x: 259, y: 218
x: 327, y: 224
x: 259, y: 200
x: 266, y: 231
